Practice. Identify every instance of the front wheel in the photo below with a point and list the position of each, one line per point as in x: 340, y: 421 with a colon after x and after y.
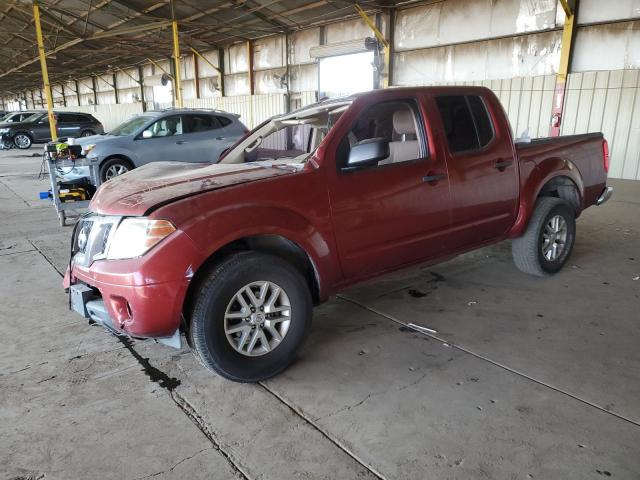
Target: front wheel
x: 22, y: 141
x: 548, y: 241
x: 87, y: 133
x: 114, y: 167
x: 251, y: 315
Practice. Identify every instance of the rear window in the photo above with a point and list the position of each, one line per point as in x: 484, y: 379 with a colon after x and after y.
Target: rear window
x: 201, y: 123
x: 224, y: 121
x: 73, y: 118
x: 466, y: 122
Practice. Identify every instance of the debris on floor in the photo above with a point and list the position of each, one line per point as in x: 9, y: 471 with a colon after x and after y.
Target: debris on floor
x: 421, y: 329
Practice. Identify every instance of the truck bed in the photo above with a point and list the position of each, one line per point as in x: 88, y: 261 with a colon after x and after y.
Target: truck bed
x: 583, y: 153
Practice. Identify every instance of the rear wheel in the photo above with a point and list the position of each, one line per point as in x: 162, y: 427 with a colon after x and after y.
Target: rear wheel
x: 114, y: 167
x: 548, y: 241
x: 251, y: 315
x: 22, y: 141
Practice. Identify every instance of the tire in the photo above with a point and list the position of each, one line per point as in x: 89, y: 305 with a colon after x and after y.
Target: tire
x: 87, y: 133
x: 212, y: 334
x: 23, y: 141
x: 540, y: 251
x: 114, y: 167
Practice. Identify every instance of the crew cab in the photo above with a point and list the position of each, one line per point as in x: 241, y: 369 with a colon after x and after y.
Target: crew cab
x: 234, y: 255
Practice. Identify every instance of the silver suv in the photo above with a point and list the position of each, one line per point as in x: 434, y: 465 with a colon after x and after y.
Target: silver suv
x: 181, y: 135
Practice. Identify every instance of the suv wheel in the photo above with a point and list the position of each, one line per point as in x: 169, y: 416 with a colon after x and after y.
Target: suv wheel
x: 251, y: 315
x: 114, y: 167
x: 548, y: 241
x: 22, y: 141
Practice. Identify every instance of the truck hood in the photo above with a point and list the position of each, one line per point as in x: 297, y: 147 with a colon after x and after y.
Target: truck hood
x: 155, y: 184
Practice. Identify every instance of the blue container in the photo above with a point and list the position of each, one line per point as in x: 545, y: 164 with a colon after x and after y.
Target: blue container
x: 44, y: 195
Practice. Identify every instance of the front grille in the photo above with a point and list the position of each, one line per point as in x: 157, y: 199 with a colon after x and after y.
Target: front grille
x: 91, y: 238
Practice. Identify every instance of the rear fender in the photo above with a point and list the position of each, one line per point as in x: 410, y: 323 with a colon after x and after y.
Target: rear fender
x: 544, y: 172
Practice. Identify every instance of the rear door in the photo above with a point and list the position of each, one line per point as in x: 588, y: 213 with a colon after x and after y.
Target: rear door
x: 397, y: 212
x: 204, y: 137
x: 482, y: 172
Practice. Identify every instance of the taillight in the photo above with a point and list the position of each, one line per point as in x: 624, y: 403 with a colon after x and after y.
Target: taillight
x: 605, y: 155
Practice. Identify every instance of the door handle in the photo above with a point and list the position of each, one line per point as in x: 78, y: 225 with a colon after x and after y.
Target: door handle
x: 180, y: 142
x: 219, y: 138
x: 502, y: 164
x: 433, y: 178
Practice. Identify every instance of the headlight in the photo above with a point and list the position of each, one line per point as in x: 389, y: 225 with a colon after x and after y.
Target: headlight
x: 88, y: 148
x: 4, y: 130
x: 136, y: 236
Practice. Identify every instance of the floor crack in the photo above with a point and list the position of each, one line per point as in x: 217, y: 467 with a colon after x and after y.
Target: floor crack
x: 175, y: 465
x: 314, y: 424
x: 46, y: 258
x: 190, y: 411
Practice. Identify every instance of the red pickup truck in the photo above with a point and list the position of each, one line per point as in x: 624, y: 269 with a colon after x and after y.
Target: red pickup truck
x: 235, y: 254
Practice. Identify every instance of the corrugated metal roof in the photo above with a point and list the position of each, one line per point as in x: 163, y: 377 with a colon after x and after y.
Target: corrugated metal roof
x: 89, y: 36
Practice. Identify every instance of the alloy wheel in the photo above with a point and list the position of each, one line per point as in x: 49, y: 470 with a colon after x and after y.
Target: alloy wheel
x: 257, y: 318
x: 115, y: 170
x: 22, y: 141
x: 554, y: 238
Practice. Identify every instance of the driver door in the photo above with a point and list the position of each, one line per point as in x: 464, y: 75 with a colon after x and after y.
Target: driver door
x: 396, y: 212
x: 165, y: 144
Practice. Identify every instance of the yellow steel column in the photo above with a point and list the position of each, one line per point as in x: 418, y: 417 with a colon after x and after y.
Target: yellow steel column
x: 250, y: 80
x: 557, y: 109
x: 45, y: 72
x: 176, y: 58
x: 386, y: 47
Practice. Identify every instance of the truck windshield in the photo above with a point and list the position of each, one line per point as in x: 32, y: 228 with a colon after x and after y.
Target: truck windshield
x: 291, y: 138
x: 130, y: 126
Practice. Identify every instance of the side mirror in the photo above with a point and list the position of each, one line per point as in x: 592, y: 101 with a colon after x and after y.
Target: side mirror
x: 367, y: 153
x: 147, y: 134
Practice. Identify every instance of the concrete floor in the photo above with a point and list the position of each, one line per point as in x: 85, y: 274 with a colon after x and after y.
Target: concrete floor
x: 526, y: 377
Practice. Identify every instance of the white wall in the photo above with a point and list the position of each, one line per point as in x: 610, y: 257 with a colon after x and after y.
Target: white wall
x: 109, y: 115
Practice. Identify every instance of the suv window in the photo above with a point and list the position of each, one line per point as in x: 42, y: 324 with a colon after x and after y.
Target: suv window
x: 67, y: 118
x: 200, y: 123
x: 167, y: 127
x: 224, y: 121
x: 466, y: 122
x: 83, y: 118
x: 396, y: 121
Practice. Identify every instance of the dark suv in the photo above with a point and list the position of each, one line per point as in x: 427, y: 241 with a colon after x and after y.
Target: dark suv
x: 17, y: 117
x: 35, y: 129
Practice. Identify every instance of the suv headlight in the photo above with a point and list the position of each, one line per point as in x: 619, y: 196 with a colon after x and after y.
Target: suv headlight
x: 136, y: 236
x: 4, y: 130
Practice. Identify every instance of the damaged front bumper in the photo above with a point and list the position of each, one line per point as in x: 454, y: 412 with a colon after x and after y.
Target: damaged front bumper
x: 84, y: 300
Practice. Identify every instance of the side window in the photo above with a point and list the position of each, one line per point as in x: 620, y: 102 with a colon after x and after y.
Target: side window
x: 200, y: 123
x: 224, y: 121
x: 396, y: 121
x: 466, y: 122
x: 66, y: 118
x: 483, y: 122
x: 167, y: 127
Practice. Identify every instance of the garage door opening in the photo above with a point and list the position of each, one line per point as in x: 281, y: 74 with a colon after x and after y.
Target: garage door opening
x: 346, y: 74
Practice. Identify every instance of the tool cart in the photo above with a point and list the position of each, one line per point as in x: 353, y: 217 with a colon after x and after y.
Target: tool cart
x: 69, y: 197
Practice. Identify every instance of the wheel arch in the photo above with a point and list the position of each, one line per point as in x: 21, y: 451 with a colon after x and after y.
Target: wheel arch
x: 552, y: 177
x: 23, y: 132
x: 274, y: 244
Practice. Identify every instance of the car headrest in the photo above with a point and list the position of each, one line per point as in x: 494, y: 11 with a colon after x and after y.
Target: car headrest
x: 403, y: 122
